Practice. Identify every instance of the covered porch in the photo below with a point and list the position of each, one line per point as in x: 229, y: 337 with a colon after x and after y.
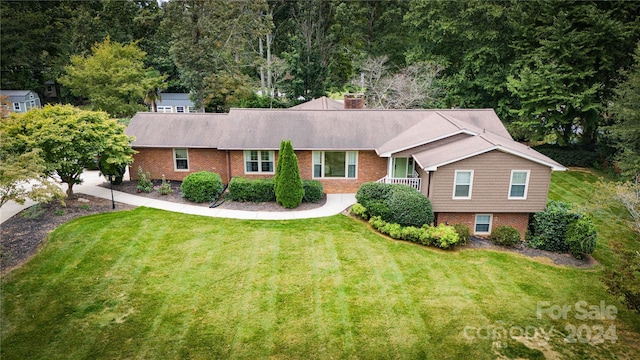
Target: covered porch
x: 401, y: 170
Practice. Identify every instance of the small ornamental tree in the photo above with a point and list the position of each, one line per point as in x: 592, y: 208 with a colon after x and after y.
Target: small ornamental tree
x: 288, y: 183
x: 69, y: 140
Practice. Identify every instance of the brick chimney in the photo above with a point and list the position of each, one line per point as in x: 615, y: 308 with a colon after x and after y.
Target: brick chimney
x: 354, y: 101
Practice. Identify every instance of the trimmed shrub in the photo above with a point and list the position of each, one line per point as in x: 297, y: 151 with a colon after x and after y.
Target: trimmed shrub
x: 581, y: 237
x: 548, y: 228
x: 413, y: 234
x: 408, y: 207
x: 288, y: 183
x: 360, y: 211
x: 395, y: 203
x: 463, y: 232
x: 442, y: 236
x: 393, y: 230
x: 505, y: 235
x: 378, y: 208
x: 372, y: 191
x: 312, y: 191
x: 377, y: 222
x: 254, y: 190
x: 201, y: 186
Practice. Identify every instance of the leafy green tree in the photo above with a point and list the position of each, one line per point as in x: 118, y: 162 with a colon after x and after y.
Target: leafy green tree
x: 471, y: 39
x: 70, y: 140
x: 113, y: 78
x: 288, y: 183
x: 224, y: 89
x: 625, y: 109
x: 22, y: 177
x: 35, y: 40
x: 567, y: 59
x: 210, y: 36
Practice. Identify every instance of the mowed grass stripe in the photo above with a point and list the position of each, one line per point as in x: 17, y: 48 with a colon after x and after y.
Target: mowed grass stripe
x: 323, y: 288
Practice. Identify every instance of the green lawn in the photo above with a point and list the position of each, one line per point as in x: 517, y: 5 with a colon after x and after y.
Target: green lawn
x: 159, y: 285
x: 578, y: 188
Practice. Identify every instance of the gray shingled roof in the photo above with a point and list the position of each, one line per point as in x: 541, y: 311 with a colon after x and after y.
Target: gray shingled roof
x: 385, y: 131
x: 195, y: 130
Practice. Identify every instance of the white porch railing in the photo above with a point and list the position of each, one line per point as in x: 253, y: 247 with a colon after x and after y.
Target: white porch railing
x: 415, y: 183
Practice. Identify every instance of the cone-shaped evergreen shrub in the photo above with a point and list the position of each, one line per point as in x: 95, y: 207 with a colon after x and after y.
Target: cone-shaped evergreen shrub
x: 278, y: 166
x: 288, y: 183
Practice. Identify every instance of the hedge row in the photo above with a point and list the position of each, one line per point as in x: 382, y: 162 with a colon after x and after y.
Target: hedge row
x: 442, y: 236
x: 262, y: 190
x: 569, y: 156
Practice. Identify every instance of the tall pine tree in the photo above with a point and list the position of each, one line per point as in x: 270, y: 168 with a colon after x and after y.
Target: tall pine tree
x: 288, y: 183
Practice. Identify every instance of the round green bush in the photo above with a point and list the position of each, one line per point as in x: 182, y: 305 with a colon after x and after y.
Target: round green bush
x: 505, y: 235
x: 201, y: 186
x: 408, y: 207
x: 372, y: 191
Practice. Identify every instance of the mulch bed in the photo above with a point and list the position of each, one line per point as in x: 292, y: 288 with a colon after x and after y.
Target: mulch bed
x: 541, y: 255
x: 23, y: 234
x: 129, y: 187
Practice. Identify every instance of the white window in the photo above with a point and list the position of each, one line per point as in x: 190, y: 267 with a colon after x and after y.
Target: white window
x: 483, y: 224
x: 335, y: 164
x: 187, y: 109
x: 519, y: 184
x: 164, y: 109
x: 16, y: 106
x: 258, y: 161
x: 180, y: 109
x: 181, y: 159
x: 462, y: 184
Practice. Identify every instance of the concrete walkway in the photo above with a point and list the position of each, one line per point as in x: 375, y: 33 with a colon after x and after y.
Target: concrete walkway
x: 335, y: 204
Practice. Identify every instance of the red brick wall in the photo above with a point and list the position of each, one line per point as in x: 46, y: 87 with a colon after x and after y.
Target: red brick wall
x: 159, y: 161
x: 520, y: 221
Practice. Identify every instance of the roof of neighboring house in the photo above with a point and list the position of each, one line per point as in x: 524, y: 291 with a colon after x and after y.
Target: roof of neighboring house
x: 17, y: 93
x: 322, y: 103
x: 175, y: 99
x: 433, y: 137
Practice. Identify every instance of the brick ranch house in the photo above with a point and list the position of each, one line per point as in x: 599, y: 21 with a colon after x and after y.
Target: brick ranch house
x: 464, y: 161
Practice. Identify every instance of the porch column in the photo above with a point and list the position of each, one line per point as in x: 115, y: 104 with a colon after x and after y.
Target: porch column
x: 390, y: 167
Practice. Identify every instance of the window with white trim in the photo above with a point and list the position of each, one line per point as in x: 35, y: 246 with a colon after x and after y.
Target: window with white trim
x: 16, y: 106
x: 181, y: 159
x: 180, y: 109
x: 258, y: 161
x: 164, y: 109
x: 519, y: 184
x: 335, y: 164
x: 462, y: 184
x: 483, y: 224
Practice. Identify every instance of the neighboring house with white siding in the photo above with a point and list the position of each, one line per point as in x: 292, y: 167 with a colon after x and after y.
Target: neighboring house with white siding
x: 21, y: 100
x: 175, y: 103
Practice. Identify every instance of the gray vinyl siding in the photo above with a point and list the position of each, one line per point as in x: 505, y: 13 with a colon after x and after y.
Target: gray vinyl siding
x: 490, y: 187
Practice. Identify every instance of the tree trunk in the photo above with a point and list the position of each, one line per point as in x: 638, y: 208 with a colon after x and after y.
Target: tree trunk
x: 70, y: 190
